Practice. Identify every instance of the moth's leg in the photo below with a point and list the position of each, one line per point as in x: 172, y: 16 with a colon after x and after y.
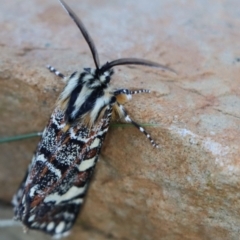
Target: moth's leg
x: 127, y: 118
x: 56, y: 72
x: 130, y: 92
x: 123, y: 95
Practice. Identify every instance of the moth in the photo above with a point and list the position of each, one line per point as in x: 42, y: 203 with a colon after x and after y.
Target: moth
x: 53, y: 190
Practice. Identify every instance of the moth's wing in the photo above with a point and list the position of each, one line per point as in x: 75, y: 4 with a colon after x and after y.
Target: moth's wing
x: 59, y: 176
x: 18, y: 195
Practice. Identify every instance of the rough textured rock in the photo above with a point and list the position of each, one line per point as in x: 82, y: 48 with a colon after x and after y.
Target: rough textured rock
x: 187, y: 189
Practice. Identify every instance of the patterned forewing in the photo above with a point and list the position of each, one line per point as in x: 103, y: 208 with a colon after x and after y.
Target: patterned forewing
x: 51, y: 196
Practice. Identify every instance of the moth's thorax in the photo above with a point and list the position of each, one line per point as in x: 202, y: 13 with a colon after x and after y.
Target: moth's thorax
x: 90, y: 77
x: 96, y: 78
x: 86, y: 93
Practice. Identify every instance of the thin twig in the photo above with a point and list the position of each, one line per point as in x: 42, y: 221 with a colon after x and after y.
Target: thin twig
x: 20, y: 137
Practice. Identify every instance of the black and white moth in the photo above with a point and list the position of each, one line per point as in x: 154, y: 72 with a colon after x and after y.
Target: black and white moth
x: 53, y: 190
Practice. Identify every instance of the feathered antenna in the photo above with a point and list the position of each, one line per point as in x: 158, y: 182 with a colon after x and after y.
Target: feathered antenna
x: 133, y: 61
x: 84, y: 33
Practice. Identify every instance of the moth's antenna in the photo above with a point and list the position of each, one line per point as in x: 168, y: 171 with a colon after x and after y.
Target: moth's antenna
x: 84, y: 32
x: 134, y: 61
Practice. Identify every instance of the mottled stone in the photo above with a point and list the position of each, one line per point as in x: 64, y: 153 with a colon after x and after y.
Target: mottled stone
x: 187, y: 189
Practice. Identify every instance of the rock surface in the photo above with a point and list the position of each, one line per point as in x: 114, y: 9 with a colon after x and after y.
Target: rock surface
x: 187, y: 189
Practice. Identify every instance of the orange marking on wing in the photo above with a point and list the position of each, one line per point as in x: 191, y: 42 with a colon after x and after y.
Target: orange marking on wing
x: 92, y: 153
x: 66, y: 128
x: 36, y: 200
x: 81, y: 178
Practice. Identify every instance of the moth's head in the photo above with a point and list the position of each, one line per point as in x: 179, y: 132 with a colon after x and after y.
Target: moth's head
x: 97, y: 77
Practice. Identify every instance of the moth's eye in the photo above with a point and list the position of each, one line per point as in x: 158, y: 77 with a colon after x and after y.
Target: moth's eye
x: 111, y: 72
x: 107, y: 79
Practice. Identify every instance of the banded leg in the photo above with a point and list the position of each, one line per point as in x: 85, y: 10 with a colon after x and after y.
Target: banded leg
x: 127, y: 118
x: 56, y: 72
x: 130, y: 92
